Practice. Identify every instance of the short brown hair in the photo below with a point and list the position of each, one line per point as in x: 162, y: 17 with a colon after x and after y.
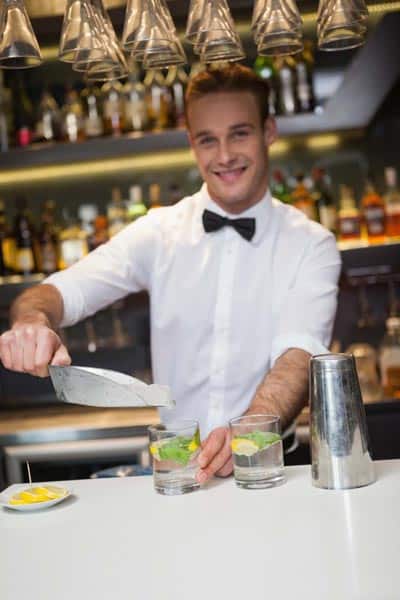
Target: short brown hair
x: 232, y: 78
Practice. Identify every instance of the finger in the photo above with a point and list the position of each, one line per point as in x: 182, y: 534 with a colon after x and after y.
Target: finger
x: 5, y: 349
x: 212, y: 446
x: 227, y: 469
x: 47, y: 344
x: 217, y: 463
x: 17, y: 351
x: 29, y: 349
x: 61, y: 357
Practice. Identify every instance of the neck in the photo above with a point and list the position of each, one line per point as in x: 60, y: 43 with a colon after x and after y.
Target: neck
x: 240, y: 206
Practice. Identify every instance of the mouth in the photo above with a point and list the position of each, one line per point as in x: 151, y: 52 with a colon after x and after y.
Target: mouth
x: 230, y: 175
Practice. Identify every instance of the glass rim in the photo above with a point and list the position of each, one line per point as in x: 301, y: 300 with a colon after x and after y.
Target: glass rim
x: 178, y: 425
x: 259, y: 419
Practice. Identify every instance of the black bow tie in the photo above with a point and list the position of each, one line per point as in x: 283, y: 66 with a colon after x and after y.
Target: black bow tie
x: 212, y: 222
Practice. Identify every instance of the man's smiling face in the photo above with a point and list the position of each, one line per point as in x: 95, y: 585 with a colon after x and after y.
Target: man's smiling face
x: 230, y: 144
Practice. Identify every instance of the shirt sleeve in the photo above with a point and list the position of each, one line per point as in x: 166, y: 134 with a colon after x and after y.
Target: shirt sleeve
x: 306, y: 317
x: 112, y: 271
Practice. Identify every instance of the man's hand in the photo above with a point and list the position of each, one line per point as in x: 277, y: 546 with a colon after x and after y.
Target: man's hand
x: 31, y: 347
x: 215, y: 457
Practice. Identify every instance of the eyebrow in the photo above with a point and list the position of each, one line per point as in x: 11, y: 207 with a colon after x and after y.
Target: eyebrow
x: 205, y: 132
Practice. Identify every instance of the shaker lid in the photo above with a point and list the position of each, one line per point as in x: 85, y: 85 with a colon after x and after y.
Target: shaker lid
x: 332, y: 361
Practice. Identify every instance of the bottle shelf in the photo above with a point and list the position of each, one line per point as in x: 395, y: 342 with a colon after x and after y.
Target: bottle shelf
x: 369, y: 257
x: 366, y: 82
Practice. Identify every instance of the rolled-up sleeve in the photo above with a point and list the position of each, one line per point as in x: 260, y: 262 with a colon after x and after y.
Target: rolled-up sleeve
x: 306, y: 316
x: 112, y: 271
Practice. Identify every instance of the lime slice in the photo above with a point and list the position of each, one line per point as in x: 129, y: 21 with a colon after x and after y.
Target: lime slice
x: 179, y: 449
x: 243, y: 447
x: 262, y: 439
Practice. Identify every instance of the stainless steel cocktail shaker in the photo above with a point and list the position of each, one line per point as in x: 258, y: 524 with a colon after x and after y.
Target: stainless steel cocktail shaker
x: 339, y: 438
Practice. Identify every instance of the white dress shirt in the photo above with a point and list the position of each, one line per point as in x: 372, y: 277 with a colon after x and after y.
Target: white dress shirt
x: 222, y: 309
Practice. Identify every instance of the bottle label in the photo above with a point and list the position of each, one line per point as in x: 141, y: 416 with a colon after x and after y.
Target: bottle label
x: 24, y: 260
x: 327, y: 216
x: 375, y: 220
x: 72, y: 251
x: 93, y: 126
x: 24, y: 136
x: 350, y: 226
x: 49, y: 258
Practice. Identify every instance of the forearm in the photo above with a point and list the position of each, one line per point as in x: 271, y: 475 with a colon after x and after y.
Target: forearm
x: 40, y: 304
x: 284, y: 389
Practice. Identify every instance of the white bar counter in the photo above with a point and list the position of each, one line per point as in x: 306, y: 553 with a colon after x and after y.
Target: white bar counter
x: 117, y: 539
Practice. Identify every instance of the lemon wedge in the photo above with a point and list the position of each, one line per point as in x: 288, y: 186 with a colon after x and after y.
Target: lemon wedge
x: 37, y: 494
x: 244, y: 447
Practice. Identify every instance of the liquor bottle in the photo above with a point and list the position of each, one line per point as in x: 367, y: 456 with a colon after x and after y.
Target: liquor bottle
x: 134, y: 103
x: 48, y: 123
x: 154, y: 196
x: 116, y: 213
x: 5, y: 115
x: 93, y: 119
x: 280, y: 189
x: 287, y: 101
x: 373, y: 209
x: 72, y: 118
x: 157, y: 100
x: 176, y: 81
x: 72, y: 242
x: 87, y: 214
x: 112, y: 107
x: 23, y: 113
x: 135, y: 206
x: 174, y: 194
x: 392, y: 203
x: 389, y: 359
x: 302, y: 198
x: 304, y: 78
x: 25, y: 240
x: 7, y: 245
x: 349, y: 216
x: 324, y: 199
x: 100, y: 233
x: 47, y: 240
x: 265, y: 67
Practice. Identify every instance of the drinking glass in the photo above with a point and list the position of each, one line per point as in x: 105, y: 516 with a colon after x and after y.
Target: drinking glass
x: 112, y: 64
x: 150, y: 35
x: 90, y: 44
x: 19, y: 48
x: 194, y: 21
x: 257, y: 451
x: 70, y: 30
x: 277, y: 27
x: 341, y: 24
x: 175, y: 448
x: 211, y: 30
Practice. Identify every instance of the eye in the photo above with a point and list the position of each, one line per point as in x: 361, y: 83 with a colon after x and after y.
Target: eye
x: 206, y: 141
x: 241, y: 133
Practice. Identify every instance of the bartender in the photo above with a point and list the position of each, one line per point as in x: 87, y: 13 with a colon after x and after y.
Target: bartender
x: 243, y: 288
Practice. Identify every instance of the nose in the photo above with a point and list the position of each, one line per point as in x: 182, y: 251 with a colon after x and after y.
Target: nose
x: 225, y: 154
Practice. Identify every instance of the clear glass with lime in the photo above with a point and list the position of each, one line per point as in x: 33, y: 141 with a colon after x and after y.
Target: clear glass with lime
x: 175, y: 448
x: 257, y: 451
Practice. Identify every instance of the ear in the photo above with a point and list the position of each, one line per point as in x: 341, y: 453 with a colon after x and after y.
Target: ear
x: 270, y: 131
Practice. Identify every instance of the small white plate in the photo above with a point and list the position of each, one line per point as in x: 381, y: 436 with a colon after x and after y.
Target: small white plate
x: 5, y: 501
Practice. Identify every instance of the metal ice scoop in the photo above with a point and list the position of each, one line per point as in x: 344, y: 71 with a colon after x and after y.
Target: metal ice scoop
x: 102, y: 387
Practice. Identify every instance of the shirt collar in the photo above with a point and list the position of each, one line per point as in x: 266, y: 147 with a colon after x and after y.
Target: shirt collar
x: 261, y: 212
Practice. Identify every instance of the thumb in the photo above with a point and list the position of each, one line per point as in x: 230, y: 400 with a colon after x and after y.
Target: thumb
x: 61, y: 357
